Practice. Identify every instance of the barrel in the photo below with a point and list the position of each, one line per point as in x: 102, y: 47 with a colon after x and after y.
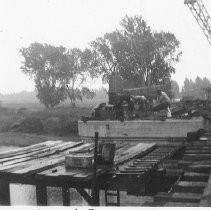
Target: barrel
x: 108, y: 152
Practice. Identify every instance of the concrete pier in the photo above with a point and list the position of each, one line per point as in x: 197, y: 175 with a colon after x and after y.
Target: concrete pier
x: 136, y: 129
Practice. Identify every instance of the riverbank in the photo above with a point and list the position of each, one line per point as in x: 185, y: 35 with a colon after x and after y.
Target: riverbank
x: 24, y: 139
x: 60, y: 121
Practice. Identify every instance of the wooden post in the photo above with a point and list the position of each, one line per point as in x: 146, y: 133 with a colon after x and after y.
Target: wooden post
x: 95, y: 188
x: 4, y: 192
x: 41, y: 192
x: 66, y: 195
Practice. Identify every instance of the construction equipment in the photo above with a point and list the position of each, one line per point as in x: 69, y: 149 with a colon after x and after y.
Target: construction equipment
x: 201, y: 15
x: 118, y: 86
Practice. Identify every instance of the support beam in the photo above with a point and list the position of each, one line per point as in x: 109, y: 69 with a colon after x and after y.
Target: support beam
x: 4, y: 193
x: 95, y: 187
x: 41, y: 192
x: 66, y: 195
x: 85, y: 195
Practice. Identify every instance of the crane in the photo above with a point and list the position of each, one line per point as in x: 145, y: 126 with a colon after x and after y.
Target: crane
x: 201, y: 15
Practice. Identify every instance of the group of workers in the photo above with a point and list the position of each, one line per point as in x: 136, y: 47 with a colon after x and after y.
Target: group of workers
x: 126, y: 106
x: 133, y: 106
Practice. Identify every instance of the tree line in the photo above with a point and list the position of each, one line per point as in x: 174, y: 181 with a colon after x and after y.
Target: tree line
x: 191, y: 88
x: 135, y: 52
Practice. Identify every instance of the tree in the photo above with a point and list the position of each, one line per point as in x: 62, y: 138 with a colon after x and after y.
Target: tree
x: 137, y: 53
x: 188, y: 88
x: 76, y: 74
x: 206, y: 82
x: 105, y: 58
x: 175, y: 88
x: 46, y: 64
x: 196, y: 88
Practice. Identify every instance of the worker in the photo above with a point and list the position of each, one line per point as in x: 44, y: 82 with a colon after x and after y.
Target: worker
x: 96, y: 111
x: 164, y: 103
x: 128, y: 104
x: 118, y: 107
x: 140, y: 103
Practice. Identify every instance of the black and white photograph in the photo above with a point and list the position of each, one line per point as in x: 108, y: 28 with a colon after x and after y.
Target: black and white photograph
x: 105, y: 103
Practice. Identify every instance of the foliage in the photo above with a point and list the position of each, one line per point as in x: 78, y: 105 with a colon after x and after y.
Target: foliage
x: 78, y: 62
x: 175, y: 88
x: 195, y: 88
x: 7, y: 117
x: 46, y: 64
x: 136, y: 52
x: 58, y: 73
x: 61, y: 121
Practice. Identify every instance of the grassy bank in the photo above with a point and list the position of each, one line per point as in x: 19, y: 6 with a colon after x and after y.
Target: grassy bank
x: 24, y: 139
x: 60, y: 121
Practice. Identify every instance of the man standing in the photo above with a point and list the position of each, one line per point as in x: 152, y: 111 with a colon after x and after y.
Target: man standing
x: 164, y: 103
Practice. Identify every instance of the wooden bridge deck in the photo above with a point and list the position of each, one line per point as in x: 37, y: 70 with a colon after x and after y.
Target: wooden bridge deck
x: 43, y: 165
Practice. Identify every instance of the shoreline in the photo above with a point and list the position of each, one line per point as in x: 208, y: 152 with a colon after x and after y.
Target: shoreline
x: 25, y: 139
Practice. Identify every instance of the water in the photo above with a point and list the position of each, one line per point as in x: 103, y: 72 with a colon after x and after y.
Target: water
x: 27, y: 196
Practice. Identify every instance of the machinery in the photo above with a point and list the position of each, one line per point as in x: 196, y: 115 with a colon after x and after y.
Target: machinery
x: 201, y: 15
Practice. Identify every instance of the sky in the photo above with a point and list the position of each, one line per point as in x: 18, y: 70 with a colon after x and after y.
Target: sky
x: 75, y: 23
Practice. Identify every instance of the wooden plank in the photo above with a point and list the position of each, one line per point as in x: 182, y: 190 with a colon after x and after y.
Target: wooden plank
x: 34, y: 158
x: 149, y: 161
x: 53, y: 171
x: 178, y: 197
x: 121, y: 150
x: 28, y: 162
x: 195, y: 147
x: 198, y: 151
x: 27, y: 149
x: 61, y: 173
x: 135, y: 164
x: 170, y: 204
x: 174, y: 172
x: 49, y: 152
x: 137, y: 168
x: 37, y: 165
x: 189, y: 187
x: 42, y: 152
x: 197, y: 157
x: 87, y: 147
x: 58, y: 173
x: 193, y: 176
x: 177, y: 204
x: 201, y: 168
x: 133, y: 151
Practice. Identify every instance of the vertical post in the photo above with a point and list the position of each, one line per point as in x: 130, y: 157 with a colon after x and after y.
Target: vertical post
x: 95, y: 188
x: 4, y: 192
x: 41, y: 192
x: 66, y: 195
